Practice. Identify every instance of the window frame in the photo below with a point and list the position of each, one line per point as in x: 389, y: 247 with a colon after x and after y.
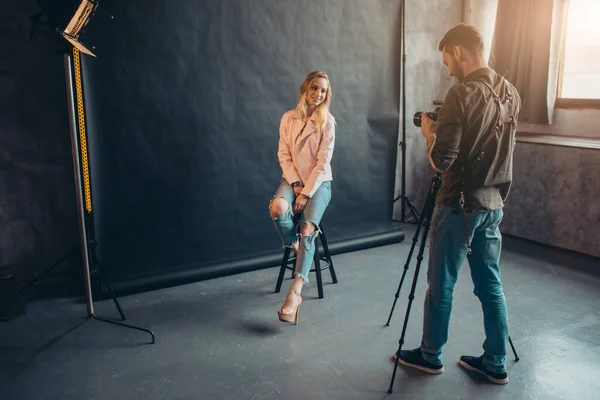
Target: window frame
x: 570, y: 102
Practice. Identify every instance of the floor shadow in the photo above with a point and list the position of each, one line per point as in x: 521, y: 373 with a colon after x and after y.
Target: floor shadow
x: 262, y: 329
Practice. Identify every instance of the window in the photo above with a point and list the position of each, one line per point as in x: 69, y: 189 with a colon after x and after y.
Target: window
x: 579, y: 79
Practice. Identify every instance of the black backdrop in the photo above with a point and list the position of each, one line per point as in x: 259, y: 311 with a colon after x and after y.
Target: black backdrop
x: 183, y: 107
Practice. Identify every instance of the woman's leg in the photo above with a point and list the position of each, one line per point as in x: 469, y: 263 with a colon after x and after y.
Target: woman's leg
x: 281, y: 213
x: 309, y: 229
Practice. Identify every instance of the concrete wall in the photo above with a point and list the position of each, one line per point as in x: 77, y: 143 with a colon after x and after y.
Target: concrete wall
x: 555, y: 195
x: 573, y: 123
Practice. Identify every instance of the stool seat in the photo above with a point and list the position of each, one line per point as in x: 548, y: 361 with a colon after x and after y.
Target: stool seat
x: 320, y: 263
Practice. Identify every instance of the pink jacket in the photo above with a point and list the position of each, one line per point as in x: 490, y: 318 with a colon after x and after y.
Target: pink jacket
x: 305, y: 155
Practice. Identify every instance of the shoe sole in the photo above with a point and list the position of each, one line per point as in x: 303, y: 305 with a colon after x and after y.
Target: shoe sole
x: 491, y: 378
x: 419, y: 367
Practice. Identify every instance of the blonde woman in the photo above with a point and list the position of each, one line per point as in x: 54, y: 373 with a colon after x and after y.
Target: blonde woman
x: 306, y: 142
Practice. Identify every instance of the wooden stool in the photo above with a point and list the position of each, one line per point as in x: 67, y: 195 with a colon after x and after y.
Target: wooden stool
x: 290, y: 263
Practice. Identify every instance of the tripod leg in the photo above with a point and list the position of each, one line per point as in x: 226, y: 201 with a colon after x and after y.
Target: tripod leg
x: 126, y: 326
x: 513, y: 349
x: 112, y: 294
x: 413, y: 209
x: 410, y: 253
x: 97, y: 272
x: 411, y: 296
x: 62, y: 335
x: 425, y: 218
x: 429, y: 203
x: 47, y: 270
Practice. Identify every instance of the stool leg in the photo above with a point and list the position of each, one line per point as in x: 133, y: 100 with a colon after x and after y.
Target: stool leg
x: 317, y: 259
x: 284, y: 262
x: 328, y: 256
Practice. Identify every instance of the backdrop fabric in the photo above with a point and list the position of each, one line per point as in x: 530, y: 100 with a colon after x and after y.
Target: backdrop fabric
x: 183, y: 109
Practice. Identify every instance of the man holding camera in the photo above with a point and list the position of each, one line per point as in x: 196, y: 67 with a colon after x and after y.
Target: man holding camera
x: 471, y: 144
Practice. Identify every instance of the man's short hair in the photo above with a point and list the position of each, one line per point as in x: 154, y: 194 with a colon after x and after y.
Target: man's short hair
x: 464, y: 35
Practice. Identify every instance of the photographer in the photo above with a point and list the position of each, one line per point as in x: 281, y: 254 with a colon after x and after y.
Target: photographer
x: 471, y: 145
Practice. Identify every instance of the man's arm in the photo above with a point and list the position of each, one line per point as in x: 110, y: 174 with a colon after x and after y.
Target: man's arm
x: 443, y: 147
x: 444, y: 136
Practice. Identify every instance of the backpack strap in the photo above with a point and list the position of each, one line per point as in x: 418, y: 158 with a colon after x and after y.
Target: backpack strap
x: 502, y: 118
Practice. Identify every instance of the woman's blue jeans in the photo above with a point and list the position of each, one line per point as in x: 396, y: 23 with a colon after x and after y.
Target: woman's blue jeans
x: 313, y: 212
x: 447, y: 253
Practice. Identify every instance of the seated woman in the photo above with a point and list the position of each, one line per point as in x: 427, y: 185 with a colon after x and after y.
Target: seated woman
x: 306, y: 141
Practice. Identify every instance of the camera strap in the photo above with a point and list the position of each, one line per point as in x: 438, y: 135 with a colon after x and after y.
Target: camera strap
x: 502, y: 118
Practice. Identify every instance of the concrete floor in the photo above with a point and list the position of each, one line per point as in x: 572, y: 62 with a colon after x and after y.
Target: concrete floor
x: 221, y: 339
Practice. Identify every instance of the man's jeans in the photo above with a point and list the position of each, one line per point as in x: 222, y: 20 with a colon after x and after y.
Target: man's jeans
x: 447, y: 252
x: 313, y: 212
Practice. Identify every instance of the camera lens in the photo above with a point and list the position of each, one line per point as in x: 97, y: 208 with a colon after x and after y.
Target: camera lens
x: 417, y: 119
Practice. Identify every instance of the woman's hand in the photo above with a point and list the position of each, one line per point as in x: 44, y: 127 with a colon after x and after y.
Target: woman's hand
x: 297, y: 190
x: 300, y: 203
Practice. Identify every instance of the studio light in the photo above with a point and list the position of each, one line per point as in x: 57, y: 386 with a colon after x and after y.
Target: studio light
x: 78, y: 22
x: 81, y: 22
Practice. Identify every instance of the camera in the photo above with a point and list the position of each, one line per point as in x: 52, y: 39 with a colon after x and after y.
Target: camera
x: 431, y: 114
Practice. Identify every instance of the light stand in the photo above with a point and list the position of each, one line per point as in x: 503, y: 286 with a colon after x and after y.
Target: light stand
x: 405, y: 200
x: 81, y: 170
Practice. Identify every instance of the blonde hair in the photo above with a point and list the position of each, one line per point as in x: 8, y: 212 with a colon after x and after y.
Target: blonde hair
x: 322, y: 110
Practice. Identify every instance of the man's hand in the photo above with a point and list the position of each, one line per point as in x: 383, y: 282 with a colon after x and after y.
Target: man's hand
x: 300, y: 203
x: 428, y: 128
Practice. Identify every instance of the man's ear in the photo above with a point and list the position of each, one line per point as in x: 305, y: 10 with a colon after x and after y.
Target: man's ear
x: 457, y: 53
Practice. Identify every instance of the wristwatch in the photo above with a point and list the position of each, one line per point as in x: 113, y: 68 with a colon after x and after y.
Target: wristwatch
x: 296, y: 184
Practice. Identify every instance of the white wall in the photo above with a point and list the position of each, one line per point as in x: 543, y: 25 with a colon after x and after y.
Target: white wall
x: 427, y: 79
x: 482, y: 14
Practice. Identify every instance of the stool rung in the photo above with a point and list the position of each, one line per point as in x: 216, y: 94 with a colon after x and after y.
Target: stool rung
x: 291, y: 264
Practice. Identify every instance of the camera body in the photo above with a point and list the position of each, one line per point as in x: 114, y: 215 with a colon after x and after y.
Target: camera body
x: 417, y: 120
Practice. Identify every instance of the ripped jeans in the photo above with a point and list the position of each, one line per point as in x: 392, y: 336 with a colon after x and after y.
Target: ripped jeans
x: 313, y: 212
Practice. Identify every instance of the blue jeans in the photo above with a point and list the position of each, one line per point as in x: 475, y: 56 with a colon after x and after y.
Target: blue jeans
x: 447, y: 252
x: 313, y: 212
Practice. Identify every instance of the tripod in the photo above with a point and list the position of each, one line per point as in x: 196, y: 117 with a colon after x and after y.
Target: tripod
x: 425, y: 219
x: 97, y: 278
x: 80, y: 164
x: 405, y: 200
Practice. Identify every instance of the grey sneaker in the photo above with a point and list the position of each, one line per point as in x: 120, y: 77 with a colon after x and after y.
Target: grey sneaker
x: 475, y: 364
